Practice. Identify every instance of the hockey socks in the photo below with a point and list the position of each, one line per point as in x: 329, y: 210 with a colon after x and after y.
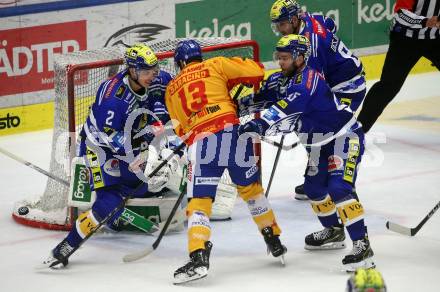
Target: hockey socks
x: 351, y: 213
x: 259, y: 207
x: 199, y: 229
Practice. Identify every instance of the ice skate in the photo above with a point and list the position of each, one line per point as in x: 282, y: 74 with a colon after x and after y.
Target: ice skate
x: 300, y: 194
x: 58, y: 257
x: 196, y: 268
x: 361, y: 256
x: 274, y: 245
x: 328, y: 238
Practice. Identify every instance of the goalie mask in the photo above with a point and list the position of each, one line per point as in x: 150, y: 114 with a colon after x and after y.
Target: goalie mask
x: 295, y: 45
x: 187, y: 51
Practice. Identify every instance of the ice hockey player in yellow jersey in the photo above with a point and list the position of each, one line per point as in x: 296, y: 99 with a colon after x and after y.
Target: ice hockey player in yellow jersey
x: 204, y: 116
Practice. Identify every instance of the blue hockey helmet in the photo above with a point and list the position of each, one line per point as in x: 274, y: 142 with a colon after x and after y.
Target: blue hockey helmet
x: 284, y: 10
x: 140, y: 57
x: 296, y: 45
x: 187, y: 50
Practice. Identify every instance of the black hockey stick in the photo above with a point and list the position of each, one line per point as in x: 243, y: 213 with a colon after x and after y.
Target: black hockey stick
x: 279, y: 145
x: 120, y: 206
x: 33, y: 166
x: 411, y: 231
x: 274, y: 168
x: 145, y: 252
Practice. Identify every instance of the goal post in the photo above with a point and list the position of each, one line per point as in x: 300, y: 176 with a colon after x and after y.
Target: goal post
x: 77, y: 78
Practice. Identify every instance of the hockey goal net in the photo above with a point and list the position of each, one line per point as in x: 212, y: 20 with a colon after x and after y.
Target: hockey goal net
x: 77, y: 78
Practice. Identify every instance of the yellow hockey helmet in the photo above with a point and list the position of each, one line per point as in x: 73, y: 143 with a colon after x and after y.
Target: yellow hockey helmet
x: 296, y: 45
x: 284, y: 10
x: 140, y: 56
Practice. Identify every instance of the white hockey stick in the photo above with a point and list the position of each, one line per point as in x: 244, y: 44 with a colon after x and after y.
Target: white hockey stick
x: 33, y: 166
x: 411, y: 231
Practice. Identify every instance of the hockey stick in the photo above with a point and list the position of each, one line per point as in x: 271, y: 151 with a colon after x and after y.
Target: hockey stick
x: 411, y: 231
x: 141, y: 222
x: 274, y: 168
x: 279, y: 145
x: 118, y: 208
x: 145, y: 252
x: 33, y: 166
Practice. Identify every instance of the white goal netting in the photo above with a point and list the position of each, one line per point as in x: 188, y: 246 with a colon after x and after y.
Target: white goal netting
x: 77, y: 78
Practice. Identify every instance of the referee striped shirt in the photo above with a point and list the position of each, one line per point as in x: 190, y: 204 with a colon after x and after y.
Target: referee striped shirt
x: 411, y: 17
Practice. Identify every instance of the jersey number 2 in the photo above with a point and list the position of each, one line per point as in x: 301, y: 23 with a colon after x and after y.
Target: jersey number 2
x: 109, y: 119
x: 197, y: 99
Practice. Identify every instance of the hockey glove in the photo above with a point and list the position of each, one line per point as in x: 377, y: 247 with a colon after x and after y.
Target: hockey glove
x: 256, y: 126
x: 250, y: 104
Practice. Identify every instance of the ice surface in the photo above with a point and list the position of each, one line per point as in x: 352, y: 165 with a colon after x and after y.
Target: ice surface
x: 402, y: 188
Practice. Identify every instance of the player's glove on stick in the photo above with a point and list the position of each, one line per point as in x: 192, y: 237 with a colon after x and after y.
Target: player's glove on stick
x: 253, y: 127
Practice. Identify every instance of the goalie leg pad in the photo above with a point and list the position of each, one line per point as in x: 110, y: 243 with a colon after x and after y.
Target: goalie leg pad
x: 199, y: 229
x: 259, y: 207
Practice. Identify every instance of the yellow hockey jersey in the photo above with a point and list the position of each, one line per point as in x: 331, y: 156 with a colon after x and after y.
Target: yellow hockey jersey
x: 198, y: 99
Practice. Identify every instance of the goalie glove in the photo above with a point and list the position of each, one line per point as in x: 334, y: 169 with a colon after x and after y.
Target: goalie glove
x: 161, y: 179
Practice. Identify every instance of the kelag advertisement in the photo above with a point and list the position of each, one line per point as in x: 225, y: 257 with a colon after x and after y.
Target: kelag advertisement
x: 33, y: 32
x: 361, y: 23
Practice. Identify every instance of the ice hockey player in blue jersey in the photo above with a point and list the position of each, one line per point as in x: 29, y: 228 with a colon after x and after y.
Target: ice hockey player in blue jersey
x: 329, y: 55
x: 126, y: 104
x: 334, y: 141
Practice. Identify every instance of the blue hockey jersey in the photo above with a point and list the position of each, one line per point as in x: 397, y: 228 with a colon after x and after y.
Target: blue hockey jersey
x: 329, y: 54
x: 328, y: 22
x: 310, y: 109
x: 112, y: 113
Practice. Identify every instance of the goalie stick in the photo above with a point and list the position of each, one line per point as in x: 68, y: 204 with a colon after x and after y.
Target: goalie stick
x: 411, y: 231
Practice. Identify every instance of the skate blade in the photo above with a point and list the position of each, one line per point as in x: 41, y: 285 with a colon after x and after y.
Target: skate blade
x: 365, y: 264
x: 328, y: 246
x: 184, y: 278
x: 301, y: 197
x: 282, y: 260
x: 44, y: 266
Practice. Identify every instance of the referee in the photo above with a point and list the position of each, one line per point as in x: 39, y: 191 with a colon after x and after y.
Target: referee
x: 414, y: 34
